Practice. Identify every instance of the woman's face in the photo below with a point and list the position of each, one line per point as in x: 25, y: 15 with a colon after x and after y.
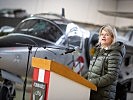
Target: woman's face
x: 105, y: 39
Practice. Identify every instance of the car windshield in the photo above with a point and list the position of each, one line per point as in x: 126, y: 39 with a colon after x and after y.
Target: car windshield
x: 40, y: 28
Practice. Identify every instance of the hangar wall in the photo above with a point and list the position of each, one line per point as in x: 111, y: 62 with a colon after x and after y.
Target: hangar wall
x: 78, y: 10
x: 125, y: 6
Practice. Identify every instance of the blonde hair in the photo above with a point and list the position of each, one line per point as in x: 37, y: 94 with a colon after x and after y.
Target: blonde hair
x: 111, y: 30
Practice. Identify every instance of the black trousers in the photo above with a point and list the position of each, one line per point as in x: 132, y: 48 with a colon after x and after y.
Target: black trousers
x: 95, y: 96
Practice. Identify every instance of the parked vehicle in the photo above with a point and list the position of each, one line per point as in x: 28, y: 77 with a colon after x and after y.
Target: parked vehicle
x: 14, y: 13
x: 12, y: 16
x: 4, y: 30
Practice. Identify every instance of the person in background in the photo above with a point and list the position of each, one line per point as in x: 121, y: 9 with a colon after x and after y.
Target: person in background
x: 105, y: 64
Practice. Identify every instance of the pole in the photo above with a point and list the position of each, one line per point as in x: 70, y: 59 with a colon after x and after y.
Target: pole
x: 25, y: 81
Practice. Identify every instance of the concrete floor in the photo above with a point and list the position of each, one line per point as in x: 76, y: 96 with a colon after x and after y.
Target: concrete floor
x: 19, y: 95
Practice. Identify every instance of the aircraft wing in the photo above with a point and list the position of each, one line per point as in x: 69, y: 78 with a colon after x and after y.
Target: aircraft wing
x: 117, y: 14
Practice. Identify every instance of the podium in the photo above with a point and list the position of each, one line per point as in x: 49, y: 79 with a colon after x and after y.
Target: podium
x: 55, y: 81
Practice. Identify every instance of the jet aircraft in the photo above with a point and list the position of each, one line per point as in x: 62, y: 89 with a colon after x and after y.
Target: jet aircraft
x: 48, y: 36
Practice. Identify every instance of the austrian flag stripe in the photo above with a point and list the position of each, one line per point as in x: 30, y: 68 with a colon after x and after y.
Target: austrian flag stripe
x: 43, y: 76
x: 35, y: 74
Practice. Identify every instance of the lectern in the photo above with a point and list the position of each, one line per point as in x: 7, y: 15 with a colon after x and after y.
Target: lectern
x: 55, y: 81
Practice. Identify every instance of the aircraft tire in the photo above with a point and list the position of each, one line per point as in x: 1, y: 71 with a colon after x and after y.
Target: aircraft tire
x: 4, y: 94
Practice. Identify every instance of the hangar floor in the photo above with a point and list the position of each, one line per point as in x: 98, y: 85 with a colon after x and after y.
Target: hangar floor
x: 19, y: 90
x: 19, y: 95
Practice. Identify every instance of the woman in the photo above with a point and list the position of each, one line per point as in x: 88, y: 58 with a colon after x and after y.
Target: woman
x: 105, y: 65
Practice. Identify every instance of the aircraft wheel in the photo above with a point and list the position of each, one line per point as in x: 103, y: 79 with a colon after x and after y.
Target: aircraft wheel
x: 7, y: 91
x: 4, y: 95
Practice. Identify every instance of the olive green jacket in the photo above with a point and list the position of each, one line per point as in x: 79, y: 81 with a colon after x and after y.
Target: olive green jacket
x: 104, y: 69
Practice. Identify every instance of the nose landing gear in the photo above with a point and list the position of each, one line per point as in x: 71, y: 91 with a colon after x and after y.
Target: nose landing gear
x: 7, y: 90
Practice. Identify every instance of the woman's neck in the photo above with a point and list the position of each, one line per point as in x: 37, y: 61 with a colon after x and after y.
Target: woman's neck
x: 105, y: 47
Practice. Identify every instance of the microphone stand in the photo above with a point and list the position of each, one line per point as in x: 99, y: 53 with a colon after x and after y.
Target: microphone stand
x: 25, y: 81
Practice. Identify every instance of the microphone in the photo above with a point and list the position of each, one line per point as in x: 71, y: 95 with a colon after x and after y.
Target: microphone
x: 71, y: 50
x: 68, y: 51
